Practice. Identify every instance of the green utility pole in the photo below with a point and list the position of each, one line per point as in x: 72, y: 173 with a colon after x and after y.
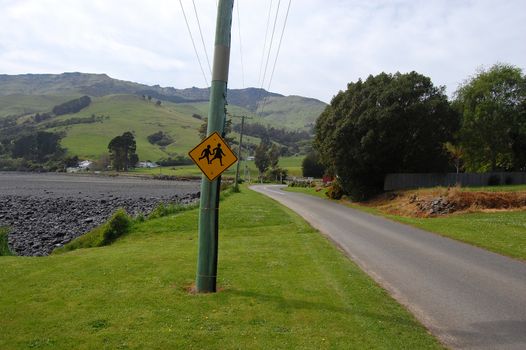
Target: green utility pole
x: 209, y: 205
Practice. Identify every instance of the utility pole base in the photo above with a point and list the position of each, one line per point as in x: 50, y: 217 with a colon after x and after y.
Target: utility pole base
x: 206, y: 284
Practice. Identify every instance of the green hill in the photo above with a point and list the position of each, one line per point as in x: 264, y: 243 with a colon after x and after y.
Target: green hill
x: 120, y: 106
x: 19, y: 104
x: 131, y: 113
x: 289, y: 111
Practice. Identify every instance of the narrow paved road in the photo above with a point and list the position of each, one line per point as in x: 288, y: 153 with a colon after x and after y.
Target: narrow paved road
x: 468, y: 297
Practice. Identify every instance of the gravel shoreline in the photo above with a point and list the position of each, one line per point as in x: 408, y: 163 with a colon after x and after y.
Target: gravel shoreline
x: 44, y: 211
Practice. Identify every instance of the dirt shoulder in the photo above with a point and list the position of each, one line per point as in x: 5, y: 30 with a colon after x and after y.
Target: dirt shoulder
x: 445, y: 201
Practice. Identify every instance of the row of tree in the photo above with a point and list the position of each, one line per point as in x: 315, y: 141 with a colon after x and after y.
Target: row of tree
x: 72, y: 106
x: 399, y: 123
x: 40, y: 147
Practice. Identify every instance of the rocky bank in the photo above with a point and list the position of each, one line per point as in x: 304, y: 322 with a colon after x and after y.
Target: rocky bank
x: 38, y: 225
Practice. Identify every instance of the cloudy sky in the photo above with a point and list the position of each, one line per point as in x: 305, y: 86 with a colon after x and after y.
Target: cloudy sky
x: 326, y: 43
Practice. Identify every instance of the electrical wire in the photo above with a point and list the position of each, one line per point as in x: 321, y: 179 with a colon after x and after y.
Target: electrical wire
x: 270, y: 44
x: 264, y: 44
x: 193, y: 44
x: 240, y: 45
x: 265, y: 100
x: 270, y: 47
x: 202, y: 39
x: 279, y: 45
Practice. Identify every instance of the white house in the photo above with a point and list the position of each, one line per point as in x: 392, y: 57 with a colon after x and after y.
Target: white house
x: 85, y: 164
x: 147, y: 165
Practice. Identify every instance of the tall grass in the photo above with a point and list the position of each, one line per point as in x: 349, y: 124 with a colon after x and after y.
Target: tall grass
x: 4, y: 247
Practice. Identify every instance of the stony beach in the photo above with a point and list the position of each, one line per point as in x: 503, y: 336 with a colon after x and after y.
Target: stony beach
x: 44, y: 211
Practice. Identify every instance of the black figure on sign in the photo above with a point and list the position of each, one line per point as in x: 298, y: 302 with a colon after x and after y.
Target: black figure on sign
x: 206, y: 154
x: 218, y: 154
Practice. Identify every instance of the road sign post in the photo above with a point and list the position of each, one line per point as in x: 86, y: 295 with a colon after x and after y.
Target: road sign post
x: 209, y: 202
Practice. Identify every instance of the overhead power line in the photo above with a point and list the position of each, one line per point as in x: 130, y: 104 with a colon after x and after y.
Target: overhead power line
x: 279, y: 45
x: 270, y: 45
x: 265, y: 100
x: 240, y: 44
x: 202, y: 39
x: 193, y: 44
x: 264, y: 44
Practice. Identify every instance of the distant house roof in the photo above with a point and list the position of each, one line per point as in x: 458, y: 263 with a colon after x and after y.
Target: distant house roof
x: 147, y: 165
x: 85, y: 164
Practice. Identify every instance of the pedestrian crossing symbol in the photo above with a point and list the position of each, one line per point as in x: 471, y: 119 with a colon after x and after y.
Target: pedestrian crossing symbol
x: 213, y: 156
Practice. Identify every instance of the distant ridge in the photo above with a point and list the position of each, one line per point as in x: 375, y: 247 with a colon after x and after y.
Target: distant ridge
x: 101, y: 85
x: 291, y: 111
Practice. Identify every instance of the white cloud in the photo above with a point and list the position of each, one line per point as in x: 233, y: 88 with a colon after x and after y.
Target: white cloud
x: 327, y: 43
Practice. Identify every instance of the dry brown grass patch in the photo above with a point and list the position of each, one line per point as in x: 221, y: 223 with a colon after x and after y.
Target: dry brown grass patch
x: 444, y: 201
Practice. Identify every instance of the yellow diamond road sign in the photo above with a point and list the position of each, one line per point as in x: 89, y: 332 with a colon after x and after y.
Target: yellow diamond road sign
x: 213, y: 156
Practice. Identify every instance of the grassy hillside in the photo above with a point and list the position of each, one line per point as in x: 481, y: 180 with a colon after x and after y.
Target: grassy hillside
x: 293, y: 112
x: 280, y: 111
x: 25, y: 104
x: 124, y: 109
x: 282, y: 286
x: 131, y: 113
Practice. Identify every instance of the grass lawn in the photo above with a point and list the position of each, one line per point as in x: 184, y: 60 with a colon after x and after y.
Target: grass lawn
x: 292, y: 164
x: 283, y: 286
x: 500, y: 232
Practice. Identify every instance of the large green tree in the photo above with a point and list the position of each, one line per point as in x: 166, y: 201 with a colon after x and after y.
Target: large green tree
x: 122, y: 151
x: 386, y: 124
x: 261, y: 158
x: 493, y: 108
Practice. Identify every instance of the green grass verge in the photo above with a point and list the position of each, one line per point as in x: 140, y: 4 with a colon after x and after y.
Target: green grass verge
x: 283, y: 286
x: 4, y: 247
x: 499, y: 232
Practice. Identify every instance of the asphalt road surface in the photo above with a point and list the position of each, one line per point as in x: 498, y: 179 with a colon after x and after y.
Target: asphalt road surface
x: 466, y: 296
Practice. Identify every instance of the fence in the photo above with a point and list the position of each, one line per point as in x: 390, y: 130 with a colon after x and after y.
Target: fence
x: 405, y: 181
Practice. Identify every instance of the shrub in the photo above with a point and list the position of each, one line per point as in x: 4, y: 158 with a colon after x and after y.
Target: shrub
x: 118, y: 225
x: 160, y: 138
x: 335, y: 191
x: 276, y: 174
